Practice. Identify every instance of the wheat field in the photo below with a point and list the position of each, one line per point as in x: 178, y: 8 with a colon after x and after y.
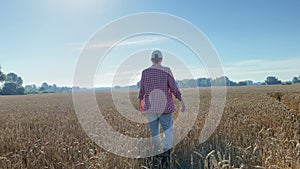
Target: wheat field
x: 260, y: 128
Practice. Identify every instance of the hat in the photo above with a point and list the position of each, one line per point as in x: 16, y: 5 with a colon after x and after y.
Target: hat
x: 156, y: 54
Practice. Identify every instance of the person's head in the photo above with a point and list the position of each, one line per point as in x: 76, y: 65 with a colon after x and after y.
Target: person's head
x: 156, y: 57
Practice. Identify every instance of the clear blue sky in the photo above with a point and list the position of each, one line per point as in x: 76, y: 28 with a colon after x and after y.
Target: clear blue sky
x: 41, y: 40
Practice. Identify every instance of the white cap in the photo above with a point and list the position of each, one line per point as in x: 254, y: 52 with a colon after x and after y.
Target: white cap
x: 156, y: 54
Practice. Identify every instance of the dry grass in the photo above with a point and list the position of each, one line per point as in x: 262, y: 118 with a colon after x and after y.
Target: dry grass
x: 257, y: 130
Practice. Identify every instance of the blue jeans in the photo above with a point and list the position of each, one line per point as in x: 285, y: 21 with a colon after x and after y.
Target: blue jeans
x: 166, y: 122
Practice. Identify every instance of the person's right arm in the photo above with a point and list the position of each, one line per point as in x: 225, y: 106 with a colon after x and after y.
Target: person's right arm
x: 142, y: 93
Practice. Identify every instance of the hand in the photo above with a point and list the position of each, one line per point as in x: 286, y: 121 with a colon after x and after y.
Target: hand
x: 141, y: 106
x: 182, y: 106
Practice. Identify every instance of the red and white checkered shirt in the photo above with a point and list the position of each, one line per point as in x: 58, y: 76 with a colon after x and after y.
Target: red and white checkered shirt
x: 156, y: 87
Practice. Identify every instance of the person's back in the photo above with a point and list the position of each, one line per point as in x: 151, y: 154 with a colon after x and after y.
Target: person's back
x: 156, y: 88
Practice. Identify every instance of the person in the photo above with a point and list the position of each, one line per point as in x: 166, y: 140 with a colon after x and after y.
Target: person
x: 157, y: 87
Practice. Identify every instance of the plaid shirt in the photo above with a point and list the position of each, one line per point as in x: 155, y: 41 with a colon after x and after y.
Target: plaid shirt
x: 156, y: 87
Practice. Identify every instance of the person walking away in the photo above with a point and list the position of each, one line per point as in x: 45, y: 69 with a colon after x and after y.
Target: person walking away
x: 157, y: 87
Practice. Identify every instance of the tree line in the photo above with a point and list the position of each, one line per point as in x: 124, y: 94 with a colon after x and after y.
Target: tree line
x: 13, y: 85
x: 46, y: 88
x: 225, y: 81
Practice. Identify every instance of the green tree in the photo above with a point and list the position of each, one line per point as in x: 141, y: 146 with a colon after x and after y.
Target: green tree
x: 272, y: 80
x: 54, y: 87
x: 31, y: 89
x: 296, y: 79
x: 41, y: 88
x: 12, y: 77
x: 2, y: 76
x: 44, y: 86
x: 138, y: 84
x: 19, y: 81
x: 13, y: 85
x: 20, y: 90
x: 221, y: 81
x: 242, y: 83
x: 203, y: 82
x: 9, y: 88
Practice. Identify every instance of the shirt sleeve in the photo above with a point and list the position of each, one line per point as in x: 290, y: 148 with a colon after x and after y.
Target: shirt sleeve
x: 142, y: 88
x: 172, y: 85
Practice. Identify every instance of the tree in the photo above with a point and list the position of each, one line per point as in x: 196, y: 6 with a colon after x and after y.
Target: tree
x: 12, y: 77
x: 138, y: 84
x: 249, y: 82
x: 9, y: 88
x: 31, y: 87
x: 2, y: 76
x: 272, y: 80
x: 54, y: 87
x: 13, y: 85
x: 20, y: 90
x: 45, y: 86
x: 203, y: 82
x: 296, y: 79
x: 19, y: 81
x: 221, y: 81
x: 41, y: 88
x: 186, y: 83
x: 242, y: 83
x: 190, y: 83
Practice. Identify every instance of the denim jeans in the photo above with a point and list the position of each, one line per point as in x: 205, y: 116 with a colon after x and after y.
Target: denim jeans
x: 166, y: 122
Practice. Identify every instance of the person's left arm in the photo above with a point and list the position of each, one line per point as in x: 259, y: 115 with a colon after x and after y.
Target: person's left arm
x: 172, y: 85
x: 174, y: 89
